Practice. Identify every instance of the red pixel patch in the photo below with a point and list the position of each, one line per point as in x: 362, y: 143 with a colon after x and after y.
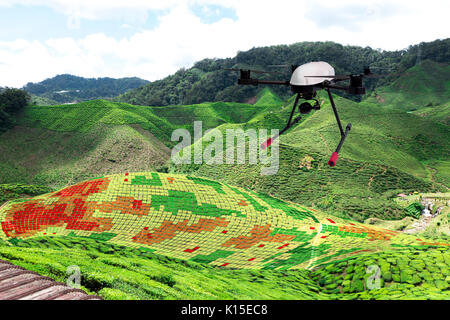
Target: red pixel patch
x: 191, y: 250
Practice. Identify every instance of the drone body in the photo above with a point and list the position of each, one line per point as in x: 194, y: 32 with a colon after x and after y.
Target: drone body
x: 305, y: 81
x: 302, y: 75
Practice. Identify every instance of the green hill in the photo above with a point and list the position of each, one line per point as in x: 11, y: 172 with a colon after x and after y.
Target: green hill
x: 41, y: 101
x: 59, y: 145
x: 438, y: 113
x: 66, y: 88
x: 381, y: 136
x: 423, y: 90
x: 268, y: 98
x: 426, y: 85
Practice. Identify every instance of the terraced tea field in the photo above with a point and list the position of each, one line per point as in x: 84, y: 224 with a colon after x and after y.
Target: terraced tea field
x: 215, y: 224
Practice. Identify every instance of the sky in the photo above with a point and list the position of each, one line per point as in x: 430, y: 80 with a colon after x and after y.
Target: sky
x: 153, y: 39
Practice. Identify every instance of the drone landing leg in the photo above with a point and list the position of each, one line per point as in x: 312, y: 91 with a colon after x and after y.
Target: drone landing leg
x: 292, y: 111
x: 335, y: 155
x: 269, y: 141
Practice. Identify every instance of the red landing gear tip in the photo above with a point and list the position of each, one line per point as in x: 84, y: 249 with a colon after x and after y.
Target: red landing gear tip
x: 267, y: 143
x: 333, y: 159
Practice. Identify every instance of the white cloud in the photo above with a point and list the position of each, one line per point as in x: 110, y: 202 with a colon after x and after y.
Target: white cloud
x: 181, y: 38
x: 64, y: 46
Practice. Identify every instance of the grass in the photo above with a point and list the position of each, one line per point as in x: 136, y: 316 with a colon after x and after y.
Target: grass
x: 439, y: 113
x: 267, y: 98
x: 385, y: 137
x: 116, y: 272
x: 397, y: 225
x: 67, y: 157
x: 412, y: 273
x: 439, y: 171
x: 120, y: 272
x: 424, y: 85
x: 161, y: 121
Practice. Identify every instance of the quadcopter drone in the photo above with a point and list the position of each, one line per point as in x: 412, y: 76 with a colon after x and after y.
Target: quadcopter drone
x: 305, y: 81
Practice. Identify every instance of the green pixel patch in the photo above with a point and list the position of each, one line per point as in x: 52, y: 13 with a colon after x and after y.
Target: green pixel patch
x: 278, y: 204
x: 252, y: 201
x: 335, y: 230
x: 299, y: 255
x: 143, y: 181
x: 216, y: 185
x: 299, y: 235
x: 180, y: 200
x: 200, y: 258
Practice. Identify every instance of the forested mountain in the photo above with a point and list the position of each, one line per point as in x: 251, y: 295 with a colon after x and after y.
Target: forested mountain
x: 207, y: 81
x: 67, y: 88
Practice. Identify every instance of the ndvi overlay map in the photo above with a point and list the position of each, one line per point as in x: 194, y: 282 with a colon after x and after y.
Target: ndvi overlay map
x: 200, y: 220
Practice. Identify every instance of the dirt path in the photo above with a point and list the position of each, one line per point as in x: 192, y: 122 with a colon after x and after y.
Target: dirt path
x: 373, y: 176
x: 325, y: 142
x: 17, y: 283
x: 419, y: 226
x: 432, y: 174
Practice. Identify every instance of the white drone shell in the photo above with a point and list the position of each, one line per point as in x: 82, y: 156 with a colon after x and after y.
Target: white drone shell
x: 318, y: 68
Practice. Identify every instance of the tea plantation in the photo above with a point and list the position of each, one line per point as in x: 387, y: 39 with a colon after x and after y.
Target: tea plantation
x: 165, y: 236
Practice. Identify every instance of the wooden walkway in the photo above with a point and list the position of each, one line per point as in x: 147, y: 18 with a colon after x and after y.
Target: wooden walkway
x: 17, y: 283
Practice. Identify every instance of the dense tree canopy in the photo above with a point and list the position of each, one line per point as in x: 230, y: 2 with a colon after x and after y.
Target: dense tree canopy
x: 207, y: 81
x: 12, y: 101
x: 68, y: 88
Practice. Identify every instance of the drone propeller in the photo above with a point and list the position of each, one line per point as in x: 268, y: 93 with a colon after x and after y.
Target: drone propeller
x: 254, y: 71
x: 291, y: 66
x: 282, y: 65
x: 335, y: 77
x: 367, y: 73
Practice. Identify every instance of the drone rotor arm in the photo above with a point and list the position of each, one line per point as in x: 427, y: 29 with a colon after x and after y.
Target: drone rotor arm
x: 283, y: 83
x: 330, y: 85
x: 252, y: 70
x: 334, y: 78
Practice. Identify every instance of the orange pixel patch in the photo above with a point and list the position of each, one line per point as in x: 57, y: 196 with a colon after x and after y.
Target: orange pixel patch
x: 198, y: 219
